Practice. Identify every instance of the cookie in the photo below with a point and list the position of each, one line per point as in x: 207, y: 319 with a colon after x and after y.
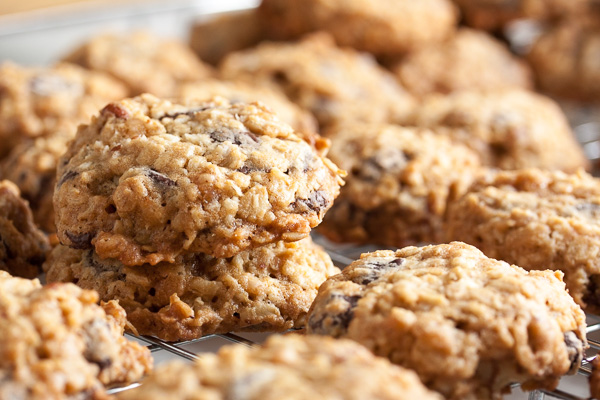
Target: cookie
x: 302, y: 367
x: 266, y: 289
x: 398, y: 183
x: 241, y: 92
x: 468, y: 325
x: 362, y: 24
x: 148, y: 180
x: 57, y: 343
x: 23, y: 246
x: 37, y: 102
x: 334, y: 84
x: 565, y: 60
x: 31, y: 165
x: 595, y: 378
x: 493, y: 15
x: 470, y: 60
x: 142, y: 61
x: 537, y: 220
x: 509, y: 129
x: 214, y: 36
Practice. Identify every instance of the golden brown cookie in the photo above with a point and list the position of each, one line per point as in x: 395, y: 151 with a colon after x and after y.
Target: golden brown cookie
x: 399, y: 181
x: 57, y: 343
x: 266, y: 289
x: 285, y: 367
x: 468, y: 325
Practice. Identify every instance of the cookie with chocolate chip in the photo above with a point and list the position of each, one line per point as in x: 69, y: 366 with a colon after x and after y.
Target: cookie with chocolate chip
x: 23, y: 246
x: 263, y: 290
x: 57, y: 343
x: 399, y: 181
x: 149, y: 179
x: 537, y: 220
x: 468, y: 325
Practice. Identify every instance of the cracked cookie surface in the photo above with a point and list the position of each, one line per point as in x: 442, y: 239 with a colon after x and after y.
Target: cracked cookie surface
x: 290, y: 366
x: 23, y: 246
x: 399, y: 181
x: 57, y: 343
x: 148, y: 180
x: 467, y: 324
x: 537, y: 220
x: 332, y: 83
x: 269, y: 288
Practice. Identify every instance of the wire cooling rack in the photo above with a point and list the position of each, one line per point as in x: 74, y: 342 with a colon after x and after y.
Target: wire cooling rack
x: 571, y: 388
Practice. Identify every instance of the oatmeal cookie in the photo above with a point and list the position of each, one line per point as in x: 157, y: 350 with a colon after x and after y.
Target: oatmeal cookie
x: 467, y: 324
x: 537, y: 220
x: 37, y: 102
x: 334, y: 84
x: 493, y: 15
x: 385, y: 28
x: 266, y: 289
x: 470, y: 60
x: 241, y: 92
x: 290, y: 366
x: 215, y: 36
x: 57, y: 343
x: 565, y: 60
x: 143, y: 62
x: 149, y: 179
x: 398, y: 183
x: 509, y: 129
x: 23, y: 246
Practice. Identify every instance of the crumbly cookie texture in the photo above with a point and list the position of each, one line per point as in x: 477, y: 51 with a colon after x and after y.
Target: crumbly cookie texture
x: 23, y: 246
x: 470, y: 60
x: 333, y: 83
x: 467, y: 324
x: 37, y: 102
x: 57, y: 343
x: 266, y: 289
x: 565, y: 60
x: 362, y: 24
x: 291, y: 367
x: 493, y: 15
x: 510, y: 128
x: 212, y: 38
x: 537, y: 220
x: 143, y: 62
x: 241, y: 92
x: 399, y: 181
x: 149, y: 179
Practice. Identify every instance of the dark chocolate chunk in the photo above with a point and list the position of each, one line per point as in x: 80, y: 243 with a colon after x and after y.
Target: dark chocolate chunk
x: 160, y: 179
x: 80, y: 241
x: 66, y: 176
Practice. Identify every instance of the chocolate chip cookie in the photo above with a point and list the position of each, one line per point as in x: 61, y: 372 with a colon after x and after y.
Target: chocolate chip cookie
x: 266, y: 289
x: 37, y: 102
x: 142, y: 61
x: 399, y: 181
x: 470, y: 60
x: 23, y: 246
x: 467, y: 324
x: 334, y: 84
x: 537, y: 220
x: 148, y: 180
x: 388, y: 27
x: 290, y: 366
x: 509, y: 128
x: 57, y: 343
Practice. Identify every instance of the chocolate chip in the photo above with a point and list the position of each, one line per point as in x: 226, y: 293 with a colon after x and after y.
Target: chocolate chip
x: 341, y: 320
x: 397, y: 261
x: 240, y: 138
x: 574, y: 350
x: 116, y: 110
x: 375, y: 269
x: 80, y: 241
x: 315, y: 202
x: 160, y: 179
x: 66, y: 176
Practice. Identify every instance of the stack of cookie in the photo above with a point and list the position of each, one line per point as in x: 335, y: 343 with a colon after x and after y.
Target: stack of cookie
x: 195, y: 216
